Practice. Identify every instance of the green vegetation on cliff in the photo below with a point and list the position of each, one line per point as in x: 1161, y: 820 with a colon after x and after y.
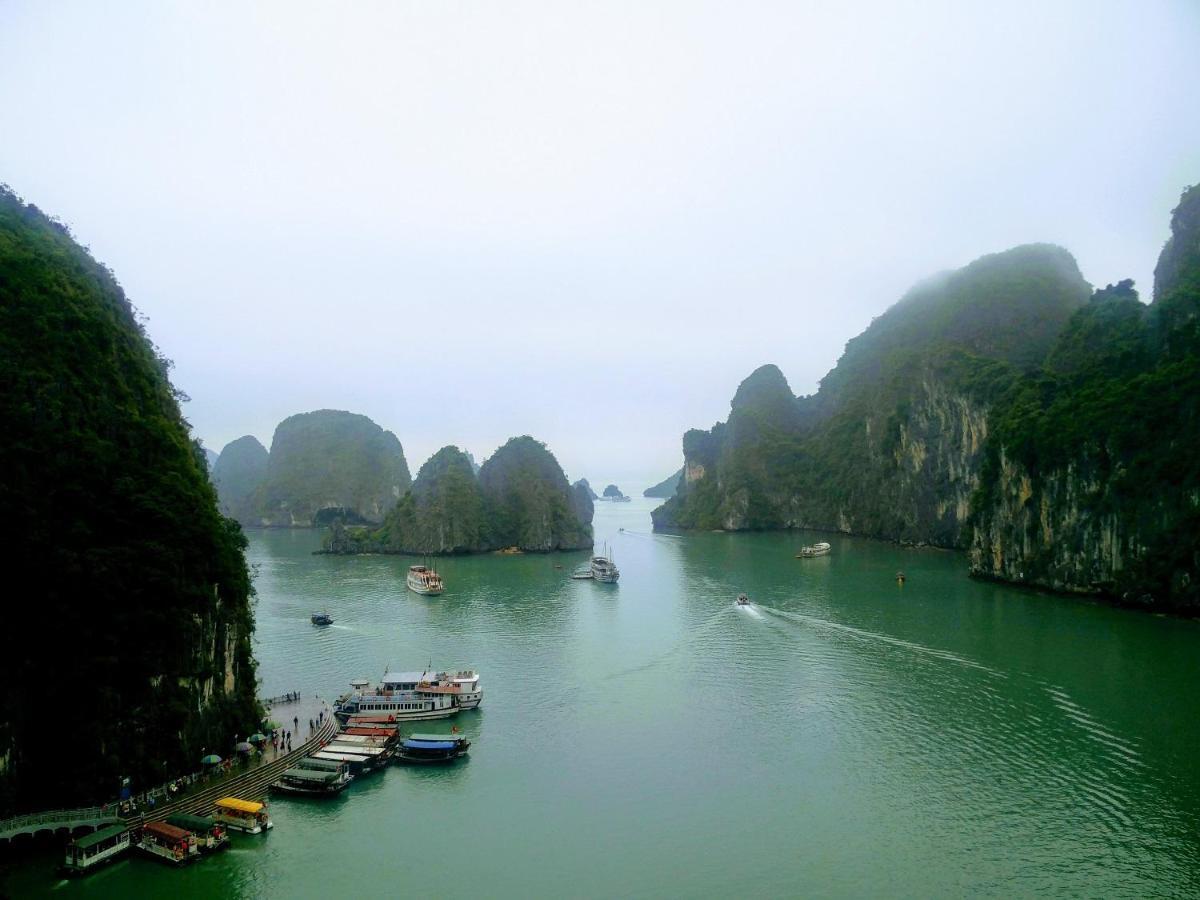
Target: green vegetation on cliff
x: 238, y: 476
x: 1092, y: 479
x: 331, y: 463
x: 520, y: 498
x: 129, y: 593
x: 887, y: 446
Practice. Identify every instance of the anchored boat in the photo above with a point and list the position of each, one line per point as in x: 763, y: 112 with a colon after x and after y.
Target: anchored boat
x: 94, y: 850
x: 604, y: 569
x: 207, y: 834
x: 315, y: 782
x: 427, y: 749
x: 582, y: 572
x: 167, y: 842
x: 249, y: 816
x: 425, y: 580
x: 403, y: 696
x: 820, y: 549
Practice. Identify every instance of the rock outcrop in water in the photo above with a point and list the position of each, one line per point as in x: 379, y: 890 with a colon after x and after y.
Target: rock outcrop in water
x: 1091, y: 482
x: 997, y: 409
x: 330, y: 464
x: 889, y: 447
x: 666, y: 488
x: 520, y: 498
x: 129, y: 610
x: 238, y: 476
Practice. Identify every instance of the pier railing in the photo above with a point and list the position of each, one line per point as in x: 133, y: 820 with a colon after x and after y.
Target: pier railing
x: 199, y: 799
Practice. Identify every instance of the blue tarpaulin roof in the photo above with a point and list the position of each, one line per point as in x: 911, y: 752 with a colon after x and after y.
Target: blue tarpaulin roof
x: 429, y: 745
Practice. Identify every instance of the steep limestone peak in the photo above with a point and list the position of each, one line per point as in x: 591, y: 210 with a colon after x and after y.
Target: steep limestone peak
x: 764, y: 388
x: 1182, y: 250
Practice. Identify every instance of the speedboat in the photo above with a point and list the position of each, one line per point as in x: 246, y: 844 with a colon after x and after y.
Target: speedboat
x: 322, y: 619
x: 743, y: 600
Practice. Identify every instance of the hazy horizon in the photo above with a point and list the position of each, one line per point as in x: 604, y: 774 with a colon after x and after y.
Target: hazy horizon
x: 472, y: 222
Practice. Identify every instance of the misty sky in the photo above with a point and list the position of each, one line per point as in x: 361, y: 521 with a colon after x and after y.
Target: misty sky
x: 582, y: 222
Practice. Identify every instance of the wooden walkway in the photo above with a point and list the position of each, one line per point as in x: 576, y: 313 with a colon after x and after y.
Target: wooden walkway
x: 249, y: 784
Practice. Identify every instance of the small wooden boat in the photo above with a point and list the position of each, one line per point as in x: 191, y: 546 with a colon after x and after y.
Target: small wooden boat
x: 322, y: 619
x: 821, y: 549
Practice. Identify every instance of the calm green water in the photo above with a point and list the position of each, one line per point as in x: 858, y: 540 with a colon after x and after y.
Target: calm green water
x: 850, y: 738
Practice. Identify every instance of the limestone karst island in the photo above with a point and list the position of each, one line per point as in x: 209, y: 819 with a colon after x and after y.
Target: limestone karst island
x: 529, y: 451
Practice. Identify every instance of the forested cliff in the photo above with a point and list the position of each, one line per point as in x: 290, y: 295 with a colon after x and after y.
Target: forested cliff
x: 129, y: 596
x: 519, y: 498
x: 996, y: 409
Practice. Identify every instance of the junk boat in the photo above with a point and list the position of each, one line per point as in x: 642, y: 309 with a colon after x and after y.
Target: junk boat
x: 428, y: 749
x: 319, y: 782
x: 94, y: 850
x: 407, y: 696
x: 322, y: 619
x: 821, y: 549
x: 243, y: 815
x: 604, y: 569
x: 167, y: 842
x: 582, y: 572
x: 207, y: 834
x: 424, y: 580
x: 743, y: 600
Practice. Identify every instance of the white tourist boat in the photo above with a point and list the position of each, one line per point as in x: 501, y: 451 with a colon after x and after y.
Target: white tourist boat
x: 604, y: 569
x: 103, y: 845
x: 425, y: 580
x: 412, y: 696
x: 820, y: 549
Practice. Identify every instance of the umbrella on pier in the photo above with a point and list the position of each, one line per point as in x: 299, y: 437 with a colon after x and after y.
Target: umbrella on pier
x: 257, y: 738
x: 211, y: 760
x: 244, y: 747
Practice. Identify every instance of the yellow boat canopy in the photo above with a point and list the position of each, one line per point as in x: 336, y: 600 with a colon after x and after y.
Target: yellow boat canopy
x: 246, y: 806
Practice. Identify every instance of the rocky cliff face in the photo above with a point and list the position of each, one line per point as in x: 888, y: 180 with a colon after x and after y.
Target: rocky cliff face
x: 891, y: 444
x: 330, y: 464
x: 666, y: 488
x: 238, y: 475
x: 1091, y: 482
x: 134, y: 592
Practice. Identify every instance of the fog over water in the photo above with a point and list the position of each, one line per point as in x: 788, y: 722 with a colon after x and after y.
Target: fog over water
x: 585, y: 223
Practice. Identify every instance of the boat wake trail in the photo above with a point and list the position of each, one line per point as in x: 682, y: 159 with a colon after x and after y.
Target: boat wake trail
x: 874, y: 636
x: 695, y: 634
x: 751, y: 612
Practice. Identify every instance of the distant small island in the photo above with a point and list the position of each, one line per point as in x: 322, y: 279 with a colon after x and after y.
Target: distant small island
x: 666, y: 488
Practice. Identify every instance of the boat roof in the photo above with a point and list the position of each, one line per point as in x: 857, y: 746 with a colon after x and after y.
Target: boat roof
x: 430, y: 745
x: 323, y: 765
x: 406, y: 677
x: 237, y: 803
x: 165, y: 830
x: 100, y: 835
x: 340, y: 756
x: 192, y: 823
x: 311, y: 775
x: 435, y: 737
x: 356, y: 749
x: 371, y: 732
x: 366, y: 720
x: 416, y: 568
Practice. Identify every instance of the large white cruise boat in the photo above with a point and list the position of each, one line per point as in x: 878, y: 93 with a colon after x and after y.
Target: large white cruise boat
x: 604, y: 569
x: 424, y: 580
x: 412, y: 696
